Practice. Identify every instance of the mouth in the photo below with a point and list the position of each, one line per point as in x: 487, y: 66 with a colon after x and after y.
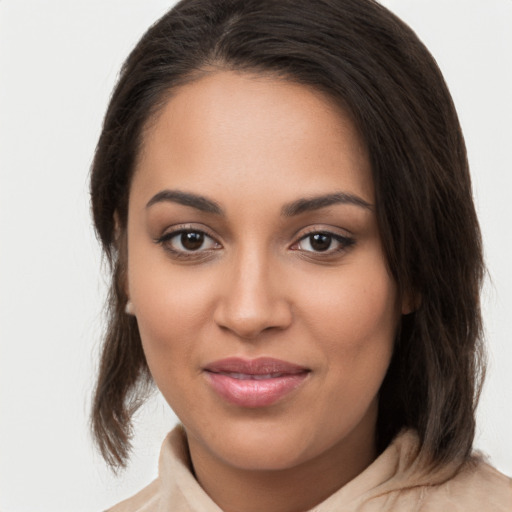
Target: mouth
x: 254, y: 383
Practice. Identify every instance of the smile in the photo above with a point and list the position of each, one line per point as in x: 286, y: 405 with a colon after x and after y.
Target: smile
x: 254, y: 383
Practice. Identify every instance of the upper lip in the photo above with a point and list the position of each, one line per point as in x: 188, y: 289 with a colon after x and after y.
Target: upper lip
x: 259, y: 366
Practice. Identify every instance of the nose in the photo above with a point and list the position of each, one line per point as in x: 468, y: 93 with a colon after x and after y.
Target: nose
x: 253, y: 298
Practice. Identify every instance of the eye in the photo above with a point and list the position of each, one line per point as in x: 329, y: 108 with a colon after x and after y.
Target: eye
x: 323, y: 242
x: 188, y: 241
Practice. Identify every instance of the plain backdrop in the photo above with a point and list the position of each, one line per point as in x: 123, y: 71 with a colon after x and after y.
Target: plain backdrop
x: 58, y: 63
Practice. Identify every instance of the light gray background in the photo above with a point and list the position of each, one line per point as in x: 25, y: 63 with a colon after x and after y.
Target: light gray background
x: 58, y: 63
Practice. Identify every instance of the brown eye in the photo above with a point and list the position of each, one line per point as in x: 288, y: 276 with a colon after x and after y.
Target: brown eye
x: 324, y: 242
x: 187, y: 241
x: 192, y: 240
x: 320, y: 242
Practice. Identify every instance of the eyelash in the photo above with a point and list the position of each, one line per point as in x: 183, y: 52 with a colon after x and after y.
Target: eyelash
x: 166, y: 238
x: 345, y: 242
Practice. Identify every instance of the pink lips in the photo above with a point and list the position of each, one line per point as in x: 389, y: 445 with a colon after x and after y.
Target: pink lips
x: 254, y: 383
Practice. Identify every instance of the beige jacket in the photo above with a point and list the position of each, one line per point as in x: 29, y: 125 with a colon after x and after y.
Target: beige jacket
x: 394, y: 482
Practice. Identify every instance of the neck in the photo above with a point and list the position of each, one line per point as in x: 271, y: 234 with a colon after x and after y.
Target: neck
x: 294, y: 489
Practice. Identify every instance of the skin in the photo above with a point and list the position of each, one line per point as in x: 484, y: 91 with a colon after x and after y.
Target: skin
x: 257, y: 286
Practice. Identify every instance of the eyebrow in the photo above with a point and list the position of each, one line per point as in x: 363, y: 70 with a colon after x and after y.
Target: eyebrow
x: 186, y: 199
x: 297, y: 207
x: 322, y: 201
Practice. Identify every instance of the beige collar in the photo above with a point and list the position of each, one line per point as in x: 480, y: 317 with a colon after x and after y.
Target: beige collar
x: 397, y: 481
x: 396, y: 468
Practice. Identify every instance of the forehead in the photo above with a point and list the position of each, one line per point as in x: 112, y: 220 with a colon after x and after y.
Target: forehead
x: 248, y: 133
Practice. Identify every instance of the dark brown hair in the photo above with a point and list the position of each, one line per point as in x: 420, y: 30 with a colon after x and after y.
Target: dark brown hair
x: 368, y: 61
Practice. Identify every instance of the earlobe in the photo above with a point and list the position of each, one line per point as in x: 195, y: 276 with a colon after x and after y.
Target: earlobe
x: 120, y: 243
x: 128, y: 309
x: 411, y: 302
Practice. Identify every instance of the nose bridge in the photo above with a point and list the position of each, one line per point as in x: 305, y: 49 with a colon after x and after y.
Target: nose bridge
x: 252, y: 284
x: 253, y: 300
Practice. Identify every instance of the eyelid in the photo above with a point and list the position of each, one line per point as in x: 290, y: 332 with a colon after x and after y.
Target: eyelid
x: 346, y: 240
x: 180, y: 228
x: 176, y: 230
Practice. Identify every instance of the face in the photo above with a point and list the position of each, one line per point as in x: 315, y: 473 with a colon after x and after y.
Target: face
x: 256, y: 272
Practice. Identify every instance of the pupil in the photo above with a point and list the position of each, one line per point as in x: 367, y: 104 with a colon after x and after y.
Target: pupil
x: 320, y: 242
x: 192, y: 241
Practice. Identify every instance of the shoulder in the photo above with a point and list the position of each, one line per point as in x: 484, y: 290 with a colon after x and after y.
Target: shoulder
x: 475, y: 487
x: 407, y: 483
x: 144, y: 501
x: 175, y: 487
x: 478, y: 487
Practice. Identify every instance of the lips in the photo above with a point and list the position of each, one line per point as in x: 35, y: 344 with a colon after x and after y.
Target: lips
x: 254, y: 383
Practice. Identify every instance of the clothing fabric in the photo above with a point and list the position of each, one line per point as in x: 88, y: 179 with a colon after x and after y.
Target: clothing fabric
x: 396, y: 481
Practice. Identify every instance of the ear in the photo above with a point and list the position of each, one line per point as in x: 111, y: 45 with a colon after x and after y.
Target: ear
x: 411, y: 302
x: 129, y: 309
x: 122, y: 262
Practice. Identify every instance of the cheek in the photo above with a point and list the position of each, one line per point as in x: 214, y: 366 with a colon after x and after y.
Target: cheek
x: 354, y: 318
x: 171, y: 306
x: 166, y: 297
x: 355, y: 308
x: 167, y: 323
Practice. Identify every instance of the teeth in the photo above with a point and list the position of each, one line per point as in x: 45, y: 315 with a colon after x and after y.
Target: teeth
x: 267, y: 376
x: 246, y: 376
x: 240, y: 376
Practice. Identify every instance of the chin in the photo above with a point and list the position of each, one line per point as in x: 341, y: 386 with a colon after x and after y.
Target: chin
x: 275, y: 454
x: 266, y: 445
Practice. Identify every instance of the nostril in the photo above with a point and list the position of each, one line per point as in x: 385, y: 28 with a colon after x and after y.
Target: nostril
x: 250, y: 326
x: 250, y: 300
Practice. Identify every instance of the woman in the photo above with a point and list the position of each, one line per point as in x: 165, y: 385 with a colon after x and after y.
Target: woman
x: 283, y: 192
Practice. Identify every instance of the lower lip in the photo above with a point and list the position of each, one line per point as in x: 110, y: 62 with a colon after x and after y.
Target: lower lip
x: 254, y: 393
